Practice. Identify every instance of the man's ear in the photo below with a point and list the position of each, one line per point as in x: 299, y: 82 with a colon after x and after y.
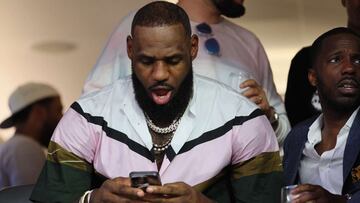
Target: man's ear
x: 194, y: 46
x: 343, y: 2
x: 312, y: 77
x: 129, y: 46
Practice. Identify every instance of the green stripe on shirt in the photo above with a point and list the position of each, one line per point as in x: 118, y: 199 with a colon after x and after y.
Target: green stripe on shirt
x: 60, y: 183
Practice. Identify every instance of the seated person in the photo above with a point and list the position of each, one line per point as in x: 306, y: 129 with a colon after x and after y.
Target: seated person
x: 162, y: 118
x: 36, y: 110
x: 321, y: 154
x: 301, y: 98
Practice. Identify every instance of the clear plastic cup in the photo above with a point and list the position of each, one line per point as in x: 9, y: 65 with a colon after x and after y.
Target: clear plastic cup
x: 235, y: 79
x: 286, y: 196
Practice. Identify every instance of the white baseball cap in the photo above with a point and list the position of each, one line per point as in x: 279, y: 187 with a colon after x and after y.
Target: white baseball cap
x: 26, y: 95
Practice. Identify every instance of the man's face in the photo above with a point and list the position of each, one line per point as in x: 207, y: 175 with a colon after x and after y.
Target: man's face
x: 336, y: 72
x: 353, y: 11
x: 230, y: 8
x: 161, y: 60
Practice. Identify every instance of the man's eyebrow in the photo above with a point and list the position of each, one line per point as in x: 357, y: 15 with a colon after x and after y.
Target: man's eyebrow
x: 340, y: 52
x: 142, y: 55
x: 174, y: 56
x: 334, y: 53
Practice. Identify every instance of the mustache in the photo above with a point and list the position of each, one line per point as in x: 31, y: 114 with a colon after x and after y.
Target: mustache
x: 160, y: 84
x: 349, y: 80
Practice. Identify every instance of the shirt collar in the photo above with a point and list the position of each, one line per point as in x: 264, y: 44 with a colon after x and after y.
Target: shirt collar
x: 192, y: 101
x: 314, y: 135
x: 350, y: 121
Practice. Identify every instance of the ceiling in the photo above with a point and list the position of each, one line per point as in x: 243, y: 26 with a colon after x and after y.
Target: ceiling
x: 58, y: 42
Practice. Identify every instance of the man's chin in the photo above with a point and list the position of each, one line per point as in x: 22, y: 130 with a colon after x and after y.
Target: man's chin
x: 163, y: 109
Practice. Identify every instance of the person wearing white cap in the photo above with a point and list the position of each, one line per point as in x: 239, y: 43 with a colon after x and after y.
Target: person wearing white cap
x: 35, y: 111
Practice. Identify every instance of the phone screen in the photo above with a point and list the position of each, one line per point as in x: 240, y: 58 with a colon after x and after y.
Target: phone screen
x: 142, y: 179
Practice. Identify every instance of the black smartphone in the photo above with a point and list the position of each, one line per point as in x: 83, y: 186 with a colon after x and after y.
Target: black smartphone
x: 142, y: 179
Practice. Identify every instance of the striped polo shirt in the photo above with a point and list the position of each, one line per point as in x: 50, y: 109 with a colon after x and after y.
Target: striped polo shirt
x: 224, y: 146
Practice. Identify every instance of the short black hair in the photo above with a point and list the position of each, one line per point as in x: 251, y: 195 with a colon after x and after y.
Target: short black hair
x: 316, y: 46
x: 159, y: 13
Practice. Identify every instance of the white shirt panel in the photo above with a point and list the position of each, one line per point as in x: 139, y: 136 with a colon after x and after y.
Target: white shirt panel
x: 325, y: 170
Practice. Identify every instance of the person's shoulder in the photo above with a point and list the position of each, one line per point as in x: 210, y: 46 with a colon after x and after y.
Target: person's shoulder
x: 305, y: 124
x: 118, y: 85
x: 20, y: 143
x: 241, y: 31
x: 114, y: 92
x: 212, y: 86
x: 301, y: 129
x: 223, y: 95
x: 21, y: 139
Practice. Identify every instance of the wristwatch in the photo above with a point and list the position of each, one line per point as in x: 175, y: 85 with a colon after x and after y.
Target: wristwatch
x: 274, y: 118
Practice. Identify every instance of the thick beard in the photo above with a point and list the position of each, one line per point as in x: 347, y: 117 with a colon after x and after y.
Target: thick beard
x: 229, y: 8
x: 46, y: 133
x: 164, y: 115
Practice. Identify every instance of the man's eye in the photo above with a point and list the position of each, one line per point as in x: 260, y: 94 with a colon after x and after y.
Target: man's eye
x: 356, y: 60
x: 334, y: 60
x: 146, y: 61
x: 173, y: 60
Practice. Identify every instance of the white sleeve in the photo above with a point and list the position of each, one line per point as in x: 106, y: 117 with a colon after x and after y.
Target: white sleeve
x: 273, y: 97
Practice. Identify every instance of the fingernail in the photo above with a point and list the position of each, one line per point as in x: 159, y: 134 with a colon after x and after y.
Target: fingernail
x: 149, y: 189
x: 140, y: 193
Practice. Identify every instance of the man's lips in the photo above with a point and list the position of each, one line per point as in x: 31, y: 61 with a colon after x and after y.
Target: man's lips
x: 348, y: 85
x: 161, y: 94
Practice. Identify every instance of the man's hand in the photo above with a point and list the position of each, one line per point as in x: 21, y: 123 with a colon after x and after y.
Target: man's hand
x: 176, y: 192
x: 117, y: 190
x: 314, y: 193
x: 256, y: 94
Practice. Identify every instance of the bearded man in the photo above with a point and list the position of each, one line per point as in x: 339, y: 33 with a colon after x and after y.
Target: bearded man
x: 227, y: 53
x: 207, y: 142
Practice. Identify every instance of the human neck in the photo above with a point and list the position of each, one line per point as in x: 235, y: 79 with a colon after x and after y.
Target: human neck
x: 201, y: 11
x: 334, y: 120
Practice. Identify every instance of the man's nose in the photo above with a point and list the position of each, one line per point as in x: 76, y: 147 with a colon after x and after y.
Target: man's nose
x: 348, y: 66
x: 160, y: 71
